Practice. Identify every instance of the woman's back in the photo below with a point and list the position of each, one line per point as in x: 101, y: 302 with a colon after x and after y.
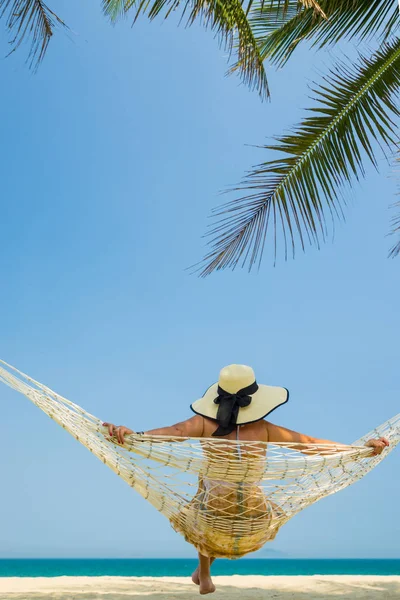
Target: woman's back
x: 254, y: 432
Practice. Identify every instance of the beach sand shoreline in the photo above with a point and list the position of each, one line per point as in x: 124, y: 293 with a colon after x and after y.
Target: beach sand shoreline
x: 235, y: 587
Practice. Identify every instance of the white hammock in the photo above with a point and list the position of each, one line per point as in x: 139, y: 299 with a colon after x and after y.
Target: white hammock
x: 226, y: 497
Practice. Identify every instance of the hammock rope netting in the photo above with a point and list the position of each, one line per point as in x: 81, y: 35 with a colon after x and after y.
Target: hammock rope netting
x: 226, y: 497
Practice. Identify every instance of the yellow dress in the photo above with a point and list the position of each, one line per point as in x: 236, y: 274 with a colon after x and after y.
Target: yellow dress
x: 228, y: 518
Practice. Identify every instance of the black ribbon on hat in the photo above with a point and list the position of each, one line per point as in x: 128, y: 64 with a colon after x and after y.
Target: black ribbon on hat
x: 228, y: 409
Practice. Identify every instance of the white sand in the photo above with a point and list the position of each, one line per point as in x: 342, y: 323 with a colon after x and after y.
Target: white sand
x: 237, y: 587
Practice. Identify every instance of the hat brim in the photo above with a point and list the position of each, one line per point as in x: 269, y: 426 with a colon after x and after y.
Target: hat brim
x: 266, y: 399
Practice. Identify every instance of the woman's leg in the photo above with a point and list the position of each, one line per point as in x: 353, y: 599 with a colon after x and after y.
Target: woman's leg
x: 205, y: 581
x: 195, y: 574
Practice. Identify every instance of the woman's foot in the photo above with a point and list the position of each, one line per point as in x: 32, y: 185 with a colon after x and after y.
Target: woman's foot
x: 195, y: 576
x: 206, y: 586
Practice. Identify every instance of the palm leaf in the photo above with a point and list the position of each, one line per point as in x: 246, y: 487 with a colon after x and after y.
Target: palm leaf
x: 274, y: 17
x: 395, y: 249
x: 314, y: 6
x: 228, y: 18
x: 355, y: 105
x: 346, y: 19
x: 114, y: 9
x: 31, y: 19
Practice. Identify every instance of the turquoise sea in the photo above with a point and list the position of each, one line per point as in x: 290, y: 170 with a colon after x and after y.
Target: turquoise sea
x: 172, y: 567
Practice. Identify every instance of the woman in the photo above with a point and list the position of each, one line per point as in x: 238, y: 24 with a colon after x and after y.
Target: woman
x: 234, y: 408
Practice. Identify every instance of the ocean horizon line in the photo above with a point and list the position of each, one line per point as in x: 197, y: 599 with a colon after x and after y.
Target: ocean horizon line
x: 190, y: 558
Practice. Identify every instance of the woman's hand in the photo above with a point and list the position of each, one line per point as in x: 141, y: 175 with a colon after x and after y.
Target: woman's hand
x: 378, y: 444
x: 118, y: 432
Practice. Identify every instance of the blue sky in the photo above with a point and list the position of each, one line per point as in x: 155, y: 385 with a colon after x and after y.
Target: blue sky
x: 112, y: 157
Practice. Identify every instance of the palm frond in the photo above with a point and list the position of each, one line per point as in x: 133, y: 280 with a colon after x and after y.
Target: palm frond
x: 356, y: 104
x: 114, y: 9
x: 227, y: 18
x: 395, y: 249
x: 314, y: 6
x: 31, y: 19
x: 395, y: 222
x: 274, y: 17
x: 357, y: 18
x: 346, y: 19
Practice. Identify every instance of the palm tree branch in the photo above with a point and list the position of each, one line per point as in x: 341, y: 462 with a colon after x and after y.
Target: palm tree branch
x: 224, y: 17
x: 227, y: 18
x: 314, y: 6
x: 30, y: 19
x: 395, y: 222
x: 395, y: 249
x: 345, y: 19
x: 320, y: 157
x: 114, y: 9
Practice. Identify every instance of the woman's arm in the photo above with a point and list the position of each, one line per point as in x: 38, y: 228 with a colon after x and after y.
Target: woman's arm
x: 281, y: 435
x: 192, y: 427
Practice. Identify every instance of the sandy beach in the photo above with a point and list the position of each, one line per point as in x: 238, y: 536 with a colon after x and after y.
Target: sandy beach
x: 237, y: 586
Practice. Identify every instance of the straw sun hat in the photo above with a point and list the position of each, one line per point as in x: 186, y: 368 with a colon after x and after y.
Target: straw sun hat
x: 237, y: 399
